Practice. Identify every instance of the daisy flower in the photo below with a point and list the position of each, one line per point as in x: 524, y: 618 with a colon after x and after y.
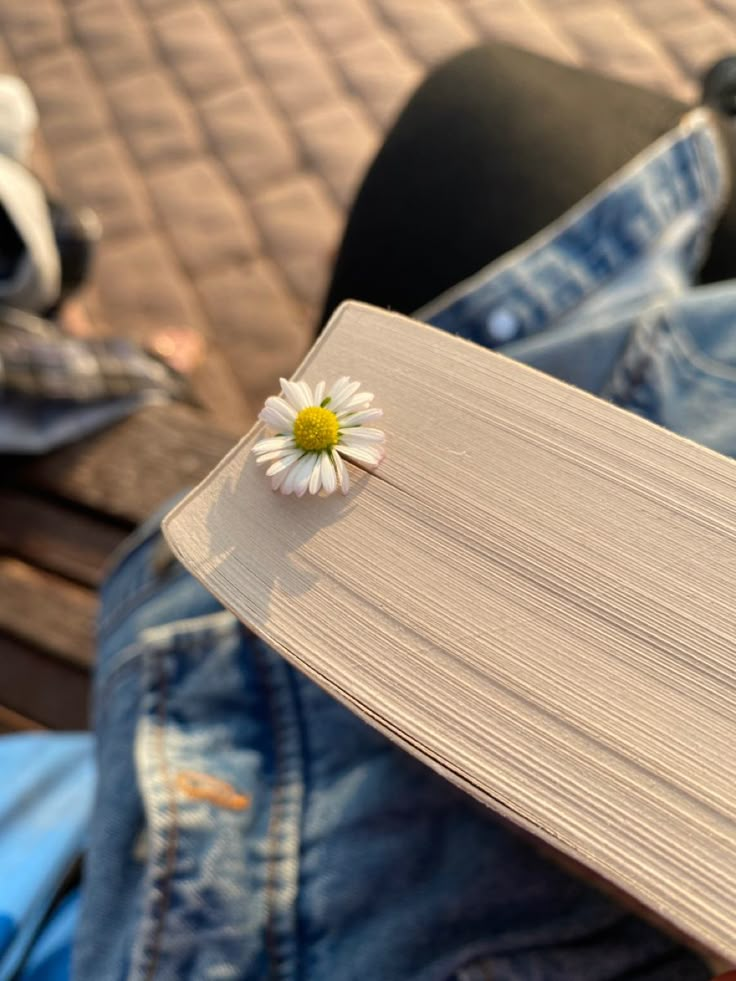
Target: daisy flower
x: 315, y: 430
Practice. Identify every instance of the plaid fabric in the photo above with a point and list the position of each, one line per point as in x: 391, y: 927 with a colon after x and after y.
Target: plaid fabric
x: 38, y: 362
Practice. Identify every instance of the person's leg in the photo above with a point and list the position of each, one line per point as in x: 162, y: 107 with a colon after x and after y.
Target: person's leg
x: 719, y: 92
x: 494, y: 145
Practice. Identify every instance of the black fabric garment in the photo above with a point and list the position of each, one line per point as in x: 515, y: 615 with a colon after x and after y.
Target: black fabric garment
x: 493, y: 146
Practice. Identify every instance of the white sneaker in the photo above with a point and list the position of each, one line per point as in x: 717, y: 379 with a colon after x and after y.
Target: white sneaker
x: 18, y: 118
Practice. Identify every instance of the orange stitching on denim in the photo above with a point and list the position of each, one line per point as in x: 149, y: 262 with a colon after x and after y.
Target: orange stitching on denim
x: 203, y: 786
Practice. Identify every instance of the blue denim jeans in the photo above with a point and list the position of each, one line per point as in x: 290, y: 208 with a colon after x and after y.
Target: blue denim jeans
x: 247, y: 825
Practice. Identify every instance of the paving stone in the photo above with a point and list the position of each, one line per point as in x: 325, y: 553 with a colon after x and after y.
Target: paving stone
x: 291, y: 66
x: 243, y: 17
x: 208, y: 224
x: 33, y: 27
x: 70, y: 105
x: 97, y: 174
x: 697, y: 42
x: 653, y: 13
x: 431, y: 29
x: 258, y: 322
x: 221, y: 140
x: 247, y: 133
x: 341, y: 24
x: 300, y: 225
x: 201, y: 53
x: 727, y: 7
x: 113, y: 38
x: 219, y: 390
x: 42, y: 165
x: 339, y: 141
x: 380, y: 74
x: 92, y: 321
x: 552, y: 7
x: 140, y: 289
x: 155, y: 7
x: 524, y: 24
x: 159, y: 126
x: 7, y: 65
x: 610, y: 40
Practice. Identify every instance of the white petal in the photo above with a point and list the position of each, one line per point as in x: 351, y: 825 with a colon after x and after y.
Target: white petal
x: 371, y: 456
x: 319, y: 392
x: 270, y: 457
x: 343, y: 477
x: 277, y: 413
x: 274, y: 443
x: 307, y: 392
x: 315, y: 480
x: 361, y: 400
x: 303, y: 473
x: 337, y: 389
x: 290, y: 481
x: 276, y: 419
x: 329, y: 480
x: 279, y: 478
x: 358, y: 418
x: 344, y: 396
x: 360, y: 434
x: 294, y: 394
x: 284, y: 462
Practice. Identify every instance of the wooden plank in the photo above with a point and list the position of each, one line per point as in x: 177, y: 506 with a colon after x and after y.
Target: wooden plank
x: 11, y: 721
x: 41, y: 688
x: 132, y: 468
x: 56, y: 538
x: 47, y: 612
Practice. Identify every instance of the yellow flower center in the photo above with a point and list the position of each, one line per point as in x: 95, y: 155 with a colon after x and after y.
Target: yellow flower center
x: 315, y: 429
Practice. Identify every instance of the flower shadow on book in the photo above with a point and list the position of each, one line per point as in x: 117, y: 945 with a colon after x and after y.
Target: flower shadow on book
x: 271, y: 558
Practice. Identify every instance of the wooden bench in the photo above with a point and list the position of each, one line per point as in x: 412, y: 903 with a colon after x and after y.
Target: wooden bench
x: 61, y: 516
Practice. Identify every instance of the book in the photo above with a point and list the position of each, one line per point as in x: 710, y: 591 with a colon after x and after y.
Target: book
x: 533, y: 594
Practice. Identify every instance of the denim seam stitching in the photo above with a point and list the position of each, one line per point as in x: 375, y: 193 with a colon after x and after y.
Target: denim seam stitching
x: 172, y: 833
x: 280, y: 805
x: 125, y: 659
x: 109, y: 674
x: 274, y: 828
x: 696, y: 361
x: 633, y: 365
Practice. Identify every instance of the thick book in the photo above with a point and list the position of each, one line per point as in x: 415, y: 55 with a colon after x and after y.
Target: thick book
x: 535, y: 594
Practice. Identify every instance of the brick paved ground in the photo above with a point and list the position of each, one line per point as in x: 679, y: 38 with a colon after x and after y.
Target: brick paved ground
x: 220, y: 141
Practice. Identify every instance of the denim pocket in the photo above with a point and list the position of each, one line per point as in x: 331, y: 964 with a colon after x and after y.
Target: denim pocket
x: 201, y: 749
x: 176, y: 875
x: 679, y: 368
